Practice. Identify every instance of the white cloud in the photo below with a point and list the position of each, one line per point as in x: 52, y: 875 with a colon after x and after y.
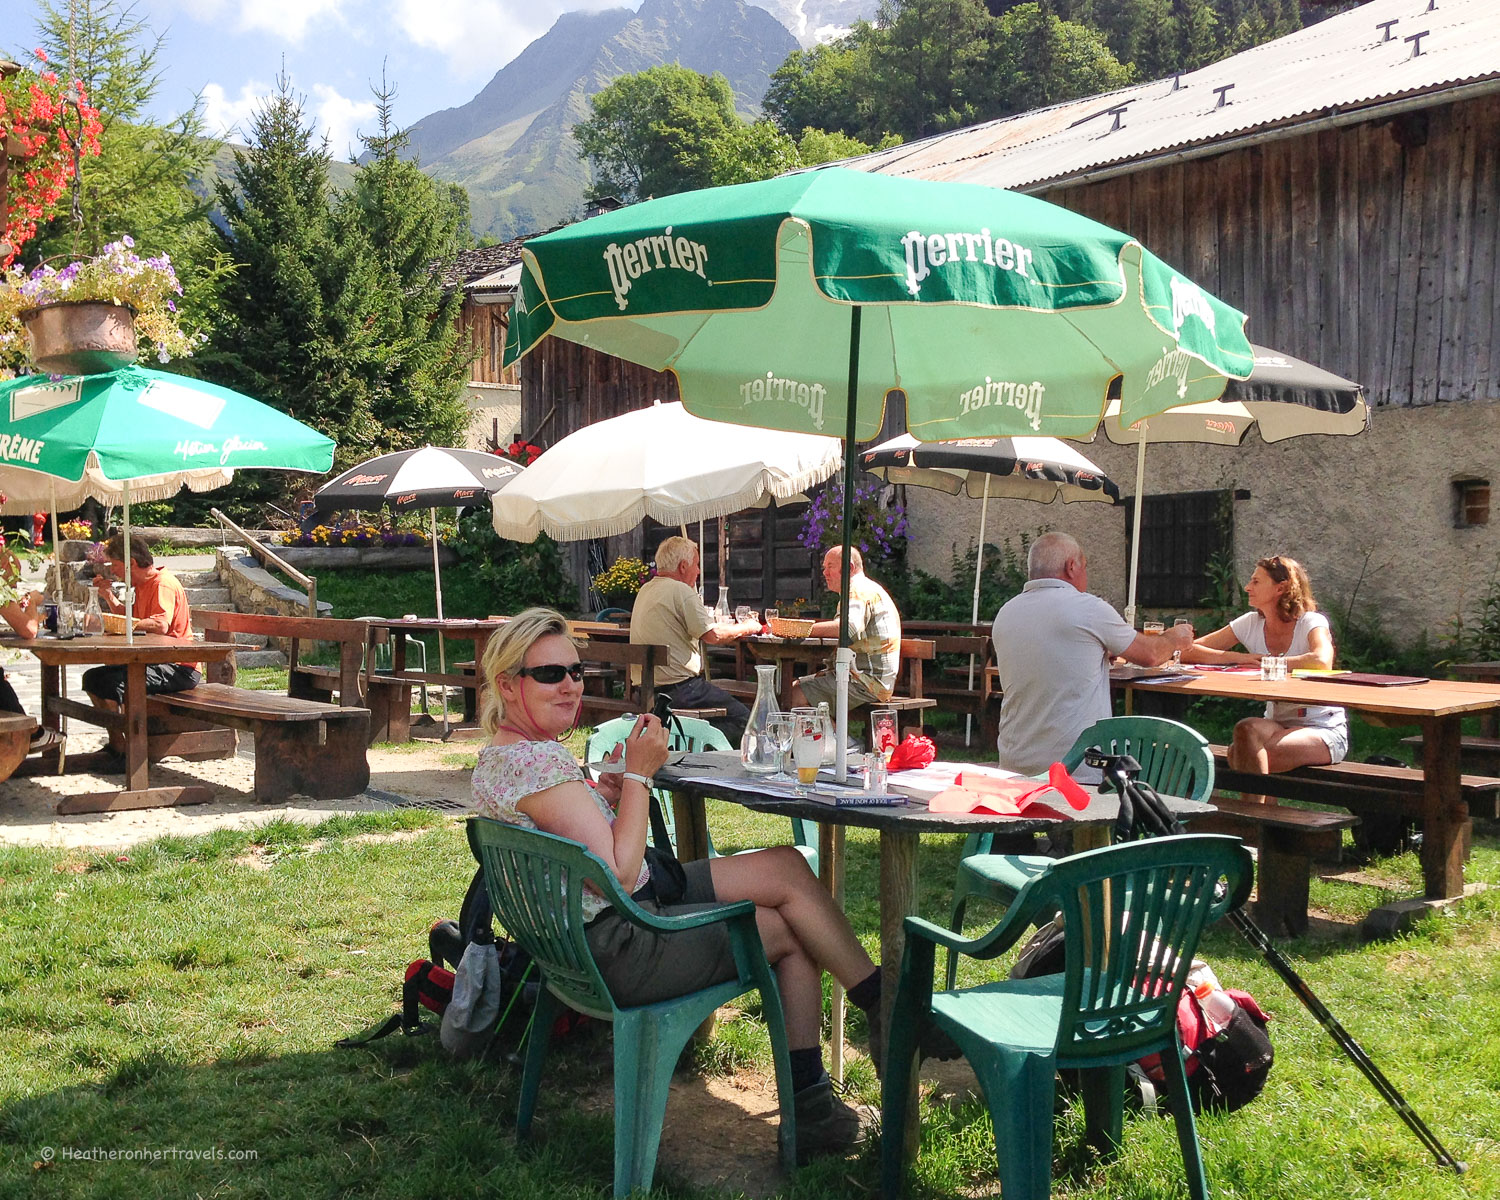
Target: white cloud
x: 478, y: 37
x: 230, y: 118
x: 330, y: 113
x: 286, y: 18
x: 341, y: 119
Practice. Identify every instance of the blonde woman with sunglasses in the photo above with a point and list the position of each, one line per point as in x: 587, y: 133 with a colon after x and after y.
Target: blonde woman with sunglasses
x: 1284, y: 622
x: 527, y: 777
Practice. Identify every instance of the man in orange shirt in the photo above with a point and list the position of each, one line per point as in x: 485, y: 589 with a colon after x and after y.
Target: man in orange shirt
x: 160, y: 607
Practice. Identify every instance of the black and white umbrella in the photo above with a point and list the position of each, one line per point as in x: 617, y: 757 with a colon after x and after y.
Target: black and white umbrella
x: 1284, y: 397
x: 1019, y: 468
x: 432, y: 477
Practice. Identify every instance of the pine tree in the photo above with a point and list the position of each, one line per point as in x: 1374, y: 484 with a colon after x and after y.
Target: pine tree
x: 290, y: 327
x: 404, y: 223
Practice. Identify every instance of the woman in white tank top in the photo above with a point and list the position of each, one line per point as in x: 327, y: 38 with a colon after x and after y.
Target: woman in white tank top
x: 1285, y: 621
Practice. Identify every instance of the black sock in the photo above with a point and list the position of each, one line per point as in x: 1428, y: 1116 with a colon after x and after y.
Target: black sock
x: 866, y: 993
x: 807, y: 1067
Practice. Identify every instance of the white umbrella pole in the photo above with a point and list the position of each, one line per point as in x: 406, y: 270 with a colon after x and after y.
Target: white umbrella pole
x: 984, y: 509
x: 437, y: 576
x: 1135, y: 532
x: 700, y: 559
x: 56, y: 550
x: 129, y: 595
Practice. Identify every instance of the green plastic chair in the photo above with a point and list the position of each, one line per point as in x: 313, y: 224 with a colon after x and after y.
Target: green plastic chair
x: 1115, y: 1001
x: 535, y: 881
x: 691, y: 734
x: 1175, y: 760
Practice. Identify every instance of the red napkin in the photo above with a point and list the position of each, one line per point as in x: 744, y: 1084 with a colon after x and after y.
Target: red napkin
x: 986, y: 795
x: 914, y: 752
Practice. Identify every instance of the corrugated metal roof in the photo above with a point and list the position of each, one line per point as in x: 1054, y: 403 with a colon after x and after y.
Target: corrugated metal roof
x: 1348, y: 62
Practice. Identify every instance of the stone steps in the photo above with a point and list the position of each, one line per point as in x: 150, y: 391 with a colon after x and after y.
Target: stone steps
x: 194, y: 579
x: 205, y: 597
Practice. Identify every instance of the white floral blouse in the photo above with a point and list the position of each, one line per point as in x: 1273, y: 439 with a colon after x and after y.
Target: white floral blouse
x: 506, y: 775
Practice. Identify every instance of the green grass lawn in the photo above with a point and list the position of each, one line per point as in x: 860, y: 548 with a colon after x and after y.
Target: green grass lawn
x: 177, y: 1005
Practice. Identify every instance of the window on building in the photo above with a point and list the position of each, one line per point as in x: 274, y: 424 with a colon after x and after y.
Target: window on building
x: 1471, y: 502
x: 1180, y: 535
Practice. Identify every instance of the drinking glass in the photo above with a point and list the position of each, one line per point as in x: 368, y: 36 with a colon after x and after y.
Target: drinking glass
x: 883, y: 731
x: 742, y: 612
x: 772, y: 614
x: 1177, y: 654
x: 779, y: 729
x: 807, y: 748
x: 1153, y: 627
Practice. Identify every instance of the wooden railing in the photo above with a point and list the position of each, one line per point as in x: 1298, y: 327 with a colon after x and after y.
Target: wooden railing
x: 269, y: 558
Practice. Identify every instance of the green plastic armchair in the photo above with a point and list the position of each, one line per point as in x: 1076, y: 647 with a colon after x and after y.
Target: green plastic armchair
x: 535, y: 881
x: 690, y: 734
x: 1132, y: 914
x: 1175, y: 760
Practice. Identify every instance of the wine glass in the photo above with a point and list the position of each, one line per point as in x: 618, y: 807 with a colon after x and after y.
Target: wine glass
x: 779, y: 728
x: 742, y: 612
x: 1177, y: 654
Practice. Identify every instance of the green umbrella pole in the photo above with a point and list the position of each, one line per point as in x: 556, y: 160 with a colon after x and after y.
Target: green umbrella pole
x: 844, y: 658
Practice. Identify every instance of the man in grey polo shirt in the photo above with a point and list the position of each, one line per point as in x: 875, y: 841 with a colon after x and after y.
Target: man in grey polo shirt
x: 1053, y: 644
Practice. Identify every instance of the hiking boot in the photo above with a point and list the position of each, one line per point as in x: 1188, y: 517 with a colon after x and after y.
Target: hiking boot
x: 825, y: 1124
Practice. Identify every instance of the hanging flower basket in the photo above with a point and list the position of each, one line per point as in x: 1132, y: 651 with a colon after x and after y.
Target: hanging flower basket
x: 80, y: 337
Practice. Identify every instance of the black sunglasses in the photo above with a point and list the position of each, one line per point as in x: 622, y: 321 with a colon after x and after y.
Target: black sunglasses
x: 550, y: 673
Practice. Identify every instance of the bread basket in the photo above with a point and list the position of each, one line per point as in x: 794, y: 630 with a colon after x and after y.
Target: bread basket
x: 791, y: 627
x: 114, y: 622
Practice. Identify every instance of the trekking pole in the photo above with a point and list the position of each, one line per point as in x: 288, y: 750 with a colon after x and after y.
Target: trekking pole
x: 1256, y: 936
x: 1149, y: 817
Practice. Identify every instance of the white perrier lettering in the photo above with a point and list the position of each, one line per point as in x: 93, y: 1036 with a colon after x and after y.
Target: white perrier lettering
x: 629, y: 262
x: 927, y: 250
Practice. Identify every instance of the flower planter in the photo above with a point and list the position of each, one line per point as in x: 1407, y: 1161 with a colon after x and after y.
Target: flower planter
x: 80, y: 337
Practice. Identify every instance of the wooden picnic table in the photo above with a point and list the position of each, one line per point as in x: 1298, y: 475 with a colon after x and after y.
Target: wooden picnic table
x: 1437, y: 705
x: 470, y: 629
x: 57, y: 654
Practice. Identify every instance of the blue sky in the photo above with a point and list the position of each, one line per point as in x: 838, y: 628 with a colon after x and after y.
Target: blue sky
x: 439, y: 53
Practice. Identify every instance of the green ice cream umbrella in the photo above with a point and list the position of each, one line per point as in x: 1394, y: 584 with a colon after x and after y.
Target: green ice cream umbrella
x: 136, y: 423
x: 801, y: 302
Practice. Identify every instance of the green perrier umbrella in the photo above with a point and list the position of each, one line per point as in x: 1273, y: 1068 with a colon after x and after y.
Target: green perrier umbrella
x: 775, y: 303
x: 136, y: 423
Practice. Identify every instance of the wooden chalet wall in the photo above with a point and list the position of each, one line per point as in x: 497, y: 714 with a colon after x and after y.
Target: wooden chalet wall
x: 1369, y: 249
x: 485, y: 326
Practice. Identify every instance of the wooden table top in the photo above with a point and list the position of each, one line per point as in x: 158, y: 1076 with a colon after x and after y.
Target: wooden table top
x: 1430, y: 698
x: 912, y: 817
x: 448, y: 626
x: 110, y: 649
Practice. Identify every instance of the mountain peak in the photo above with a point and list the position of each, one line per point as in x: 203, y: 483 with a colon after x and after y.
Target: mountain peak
x: 511, y: 145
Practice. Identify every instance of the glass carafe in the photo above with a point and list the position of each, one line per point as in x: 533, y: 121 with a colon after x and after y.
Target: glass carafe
x: 758, y: 748
x: 830, y: 735
x: 92, y: 621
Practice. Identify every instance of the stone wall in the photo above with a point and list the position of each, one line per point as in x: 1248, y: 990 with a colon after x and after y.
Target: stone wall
x: 1370, y: 516
x: 252, y: 589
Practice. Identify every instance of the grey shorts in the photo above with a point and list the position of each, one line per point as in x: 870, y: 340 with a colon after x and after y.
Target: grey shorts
x: 824, y: 686
x: 1336, y: 739
x: 643, y: 966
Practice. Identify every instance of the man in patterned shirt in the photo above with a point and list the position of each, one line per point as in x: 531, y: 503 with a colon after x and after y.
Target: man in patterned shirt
x: 874, y: 636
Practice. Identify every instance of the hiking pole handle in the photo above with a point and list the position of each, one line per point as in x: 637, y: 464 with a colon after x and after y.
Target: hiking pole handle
x: 1256, y: 936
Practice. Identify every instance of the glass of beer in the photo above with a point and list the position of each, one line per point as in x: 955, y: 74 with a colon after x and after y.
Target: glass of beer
x: 1177, y: 654
x: 807, y: 747
x: 1153, y: 627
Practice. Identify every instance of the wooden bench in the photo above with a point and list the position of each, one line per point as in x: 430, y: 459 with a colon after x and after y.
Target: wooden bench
x: 1287, y: 839
x: 301, y: 746
x: 354, y: 679
x: 630, y: 667
x: 1477, y: 753
x: 952, y: 690
x: 1361, y: 787
x: 15, y: 741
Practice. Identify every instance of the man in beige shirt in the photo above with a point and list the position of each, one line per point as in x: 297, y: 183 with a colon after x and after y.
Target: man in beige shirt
x: 669, y: 612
